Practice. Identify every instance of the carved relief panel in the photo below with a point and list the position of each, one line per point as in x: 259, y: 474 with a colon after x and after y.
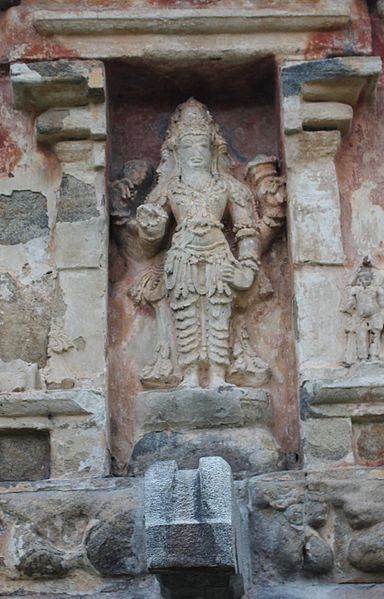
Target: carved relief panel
x: 193, y: 259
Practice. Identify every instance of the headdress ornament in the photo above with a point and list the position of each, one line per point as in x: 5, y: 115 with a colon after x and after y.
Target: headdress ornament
x: 190, y: 118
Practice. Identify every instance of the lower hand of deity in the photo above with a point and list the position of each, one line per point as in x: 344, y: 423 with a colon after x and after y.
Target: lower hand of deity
x: 238, y: 276
x: 151, y: 220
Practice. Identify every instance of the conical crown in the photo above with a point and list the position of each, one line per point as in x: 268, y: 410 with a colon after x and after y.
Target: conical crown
x: 193, y: 119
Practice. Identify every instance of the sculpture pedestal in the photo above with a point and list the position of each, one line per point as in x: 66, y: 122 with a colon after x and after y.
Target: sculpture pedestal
x: 188, y: 424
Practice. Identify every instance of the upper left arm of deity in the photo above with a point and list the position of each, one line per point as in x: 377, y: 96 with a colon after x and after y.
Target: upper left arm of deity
x: 241, y: 201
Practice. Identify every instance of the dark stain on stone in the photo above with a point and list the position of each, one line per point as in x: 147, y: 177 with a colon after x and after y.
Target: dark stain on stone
x: 43, y: 562
x: 294, y: 76
x: 77, y: 200
x: 111, y: 548
x: 23, y: 216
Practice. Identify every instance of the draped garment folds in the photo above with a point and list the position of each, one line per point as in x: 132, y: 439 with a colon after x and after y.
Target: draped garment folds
x: 199, y: 297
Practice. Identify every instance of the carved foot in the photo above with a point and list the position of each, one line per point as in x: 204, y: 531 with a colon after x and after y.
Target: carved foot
x: 217, y: 376
x: 191, y: 377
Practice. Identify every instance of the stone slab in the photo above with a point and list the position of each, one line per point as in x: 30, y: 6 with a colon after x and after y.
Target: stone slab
x: 249, y: 450
x: 320, y: 332
x: 80, y: 244
x: 42, y: 85
x: 327, y: 116
x: 327, y: 15
x: 315, y: 211
x: 320, y: 526
x: 55, y: 530
x: 72, y: 123
x: 184, y: 408
x: 54, y: 403
x: 327, y: 442
x: 359, y: 394
x: 24, y: 454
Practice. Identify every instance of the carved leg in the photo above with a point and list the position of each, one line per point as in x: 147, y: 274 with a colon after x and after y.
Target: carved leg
x: 362, y: 342
x: 351, y: 343
x: 218, y: 313
x: 191, y: 377
x: 374, y: 345
x: 217, y: 375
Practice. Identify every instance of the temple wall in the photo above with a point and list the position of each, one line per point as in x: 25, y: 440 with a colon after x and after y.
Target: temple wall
x: 115, y: 482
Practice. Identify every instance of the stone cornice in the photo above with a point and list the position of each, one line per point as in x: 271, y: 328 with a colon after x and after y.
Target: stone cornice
x: 323, y: 15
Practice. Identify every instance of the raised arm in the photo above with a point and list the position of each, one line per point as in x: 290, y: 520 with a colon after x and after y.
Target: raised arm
x: 152, y: 218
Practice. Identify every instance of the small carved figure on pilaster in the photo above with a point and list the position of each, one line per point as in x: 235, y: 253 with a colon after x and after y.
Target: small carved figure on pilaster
x: 363, y: 302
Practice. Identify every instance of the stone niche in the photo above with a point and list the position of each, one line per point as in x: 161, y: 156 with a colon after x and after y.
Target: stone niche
x: 251, y: 420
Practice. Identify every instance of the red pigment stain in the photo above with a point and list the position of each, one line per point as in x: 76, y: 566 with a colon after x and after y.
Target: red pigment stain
x: 10, y: 153
x: 20, y: 39
x: 356, y: 39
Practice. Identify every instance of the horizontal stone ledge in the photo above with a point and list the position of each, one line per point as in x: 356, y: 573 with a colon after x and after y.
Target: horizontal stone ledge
x: 327, y: 116
x: 46, y: 403
x: 357, y: 412
x: 70, y: 485
x: 201, y: 408
x: 364, y: 384
x: 300, y: 16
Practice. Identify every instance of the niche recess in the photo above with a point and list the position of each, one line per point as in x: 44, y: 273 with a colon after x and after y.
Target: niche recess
x: 242, y: 99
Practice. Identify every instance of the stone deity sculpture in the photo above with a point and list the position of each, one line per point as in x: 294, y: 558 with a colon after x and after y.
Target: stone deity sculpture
x: 201, y: 272
x: 201, y: 238
x: 364, y: 303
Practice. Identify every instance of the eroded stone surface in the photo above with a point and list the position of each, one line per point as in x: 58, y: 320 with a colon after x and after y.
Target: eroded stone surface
x: 30, y: 307
x: 77, y: 200
x: 23, y: 216
x: 25, y: 455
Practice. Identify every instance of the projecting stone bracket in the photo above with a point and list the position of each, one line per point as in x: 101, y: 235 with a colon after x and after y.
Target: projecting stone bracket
x: 192, y: 524
x: 317, y: 108
x: 41, y: 85
x: 320, y: 94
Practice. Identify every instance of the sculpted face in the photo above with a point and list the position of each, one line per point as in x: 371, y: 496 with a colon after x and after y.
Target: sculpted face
x: 365, y: 279
x: 195, y: 153
x: 273, y: 190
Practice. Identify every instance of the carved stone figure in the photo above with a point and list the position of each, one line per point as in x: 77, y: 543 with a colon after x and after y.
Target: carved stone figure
x: 201, y: 240
x: 364, y: 303
x: 270, y: 194
x: 201, y: 272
